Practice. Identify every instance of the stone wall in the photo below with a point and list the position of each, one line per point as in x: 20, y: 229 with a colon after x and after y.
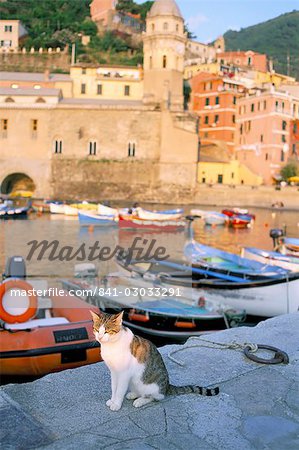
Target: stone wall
x: 35, y: 62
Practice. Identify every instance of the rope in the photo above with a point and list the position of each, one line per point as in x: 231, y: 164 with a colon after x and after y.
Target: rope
x: 214, y: 345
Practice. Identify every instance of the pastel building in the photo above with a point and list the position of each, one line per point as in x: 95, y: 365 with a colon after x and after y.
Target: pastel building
x: 263, y: 132
x: 12, y: 33
x: 214, y: 99
x: 248, y: 59
x: 106, y: 16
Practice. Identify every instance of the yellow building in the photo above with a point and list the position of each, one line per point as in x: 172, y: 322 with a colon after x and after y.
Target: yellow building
x: 216, y: 167
x: 107, y: 82
x: 271, y: 77
x: 193, y: 69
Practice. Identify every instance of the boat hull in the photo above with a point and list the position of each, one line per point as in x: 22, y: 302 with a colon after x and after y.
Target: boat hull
x: 44, y: 349
x: 87, y: 219
x: 159, y: 225
x: 14, y: 213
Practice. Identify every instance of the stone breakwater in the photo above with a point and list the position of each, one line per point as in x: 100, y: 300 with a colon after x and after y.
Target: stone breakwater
x: 258, y: 405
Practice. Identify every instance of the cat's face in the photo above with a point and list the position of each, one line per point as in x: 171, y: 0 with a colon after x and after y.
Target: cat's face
x: 106, y: 326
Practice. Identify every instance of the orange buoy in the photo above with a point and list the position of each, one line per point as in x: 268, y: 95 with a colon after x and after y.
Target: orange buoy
x: 31, y: 309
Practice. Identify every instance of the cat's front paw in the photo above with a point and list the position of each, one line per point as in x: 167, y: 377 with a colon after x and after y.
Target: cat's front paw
x: 131, y: 396
x: 109, y: 402
x: 115, y: 406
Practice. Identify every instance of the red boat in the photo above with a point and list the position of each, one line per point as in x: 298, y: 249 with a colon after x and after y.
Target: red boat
x: 131, y: 221
x: 240, y: 221
x: 235, y: 212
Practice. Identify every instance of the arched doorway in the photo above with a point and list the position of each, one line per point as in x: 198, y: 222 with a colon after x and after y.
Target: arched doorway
x: 17, y: 182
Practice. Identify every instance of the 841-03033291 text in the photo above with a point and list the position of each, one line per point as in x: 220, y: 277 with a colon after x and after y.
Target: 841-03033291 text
x: 129, y: 292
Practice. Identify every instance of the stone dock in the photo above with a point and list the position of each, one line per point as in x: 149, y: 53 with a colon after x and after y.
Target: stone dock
x: 258, y: 406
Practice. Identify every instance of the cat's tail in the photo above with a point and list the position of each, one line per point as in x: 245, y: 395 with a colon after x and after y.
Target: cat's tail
x: 181, y: 390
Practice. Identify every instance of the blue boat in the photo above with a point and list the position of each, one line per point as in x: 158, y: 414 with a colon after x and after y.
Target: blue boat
x: 93, y: 219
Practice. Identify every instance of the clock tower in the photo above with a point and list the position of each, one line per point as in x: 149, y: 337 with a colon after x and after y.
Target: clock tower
x: 164, y: 44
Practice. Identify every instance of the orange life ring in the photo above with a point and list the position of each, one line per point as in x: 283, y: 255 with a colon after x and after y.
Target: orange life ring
x: 29, y: 313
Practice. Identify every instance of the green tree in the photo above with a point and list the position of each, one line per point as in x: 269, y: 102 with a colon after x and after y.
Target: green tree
x: 289, y: 170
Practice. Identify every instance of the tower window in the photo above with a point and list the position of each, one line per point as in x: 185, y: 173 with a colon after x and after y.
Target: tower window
x: 131, y: 149
x: 164, y: 62
x: 153, y: 27
x: 127, y: 91
x: 92, y: 148
x: 83, y: 88
x: 58, y: 146
x: 177, y: 28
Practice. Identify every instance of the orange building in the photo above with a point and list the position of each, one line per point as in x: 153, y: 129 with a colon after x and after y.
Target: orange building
x: 264, y: 132
x: 294, y: 139
x: 214, y: 99
x: 249, y: 59
x: 106, y: 17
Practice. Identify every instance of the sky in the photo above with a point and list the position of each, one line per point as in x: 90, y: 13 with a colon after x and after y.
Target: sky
x: 208, y: 19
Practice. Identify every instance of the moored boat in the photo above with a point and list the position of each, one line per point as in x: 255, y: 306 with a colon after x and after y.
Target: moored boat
x: 272, y: 258
x: 214, y: 218
x: 40, y: 335
x: 131, y: 221
x: 172, y: 214
x: 14, y: 212
x: 93, y: 219
x: 57, y: 208
x: 240, y: 221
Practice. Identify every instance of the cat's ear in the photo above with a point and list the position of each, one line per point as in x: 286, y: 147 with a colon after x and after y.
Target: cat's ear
x: 119, y: 317
x: 95, y: 316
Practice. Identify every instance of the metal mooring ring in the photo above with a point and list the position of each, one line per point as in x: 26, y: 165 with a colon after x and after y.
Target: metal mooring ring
x: 280, y: 357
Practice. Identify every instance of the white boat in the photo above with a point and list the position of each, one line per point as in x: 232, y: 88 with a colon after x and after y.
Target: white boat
x: 104, y: 210
x: 272, y: 258
x: 70, y: 210
x: 214, y: 218
x: 57, y: 208
x: 168, y: 215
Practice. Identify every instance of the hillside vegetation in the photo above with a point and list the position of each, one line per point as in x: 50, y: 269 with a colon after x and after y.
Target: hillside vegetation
x: 278, y: 38
x: 57, y: 23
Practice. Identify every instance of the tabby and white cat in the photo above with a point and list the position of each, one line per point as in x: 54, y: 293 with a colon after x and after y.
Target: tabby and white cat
x: 135, y: 365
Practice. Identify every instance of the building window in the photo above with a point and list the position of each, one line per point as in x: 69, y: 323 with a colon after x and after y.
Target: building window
x: 34, y: 123
x: 153, y: 27
x: 4, y: 127
x: 216, y: 120
x: 217, y: 101
x: 205, y: 134
x: 266, y: 156
x: 249, y: 61
x: 164, y: 62
x: 206, y: 120
x: 262, y: 138
x: 127, y: 91
x: 100, y: 89
x: 282, y: 156
x: 151, y: 62
x: 83, y: 71
x: 83, y: 88
x: 294, y: 149
x: 276, y: 105
x: 131, y: 149
x: 8, y: 28
x: 177, y: 28
x: 283, y: 138
x: 282, y: 105
x: 252, y: 107
x: 241, y: 129
x: 220, y: 179
x: 203, y: 180
x: 265, y: 104
x: 207, y: 101
x: 92, y: 148
x: 58, y: 146
x: 165, y: 26
x: 234, y: 118
x: 233, y: 175
x: 284, y: 125
x: 234, y: 100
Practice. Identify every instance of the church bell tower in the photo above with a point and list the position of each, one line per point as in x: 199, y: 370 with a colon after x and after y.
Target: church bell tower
x: 164, y: 45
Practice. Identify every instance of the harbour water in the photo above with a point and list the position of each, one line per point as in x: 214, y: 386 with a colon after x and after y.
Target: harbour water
x: 15, y: 236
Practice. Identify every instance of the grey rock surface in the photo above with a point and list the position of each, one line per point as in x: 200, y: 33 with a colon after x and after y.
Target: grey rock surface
x: 258, y: 405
